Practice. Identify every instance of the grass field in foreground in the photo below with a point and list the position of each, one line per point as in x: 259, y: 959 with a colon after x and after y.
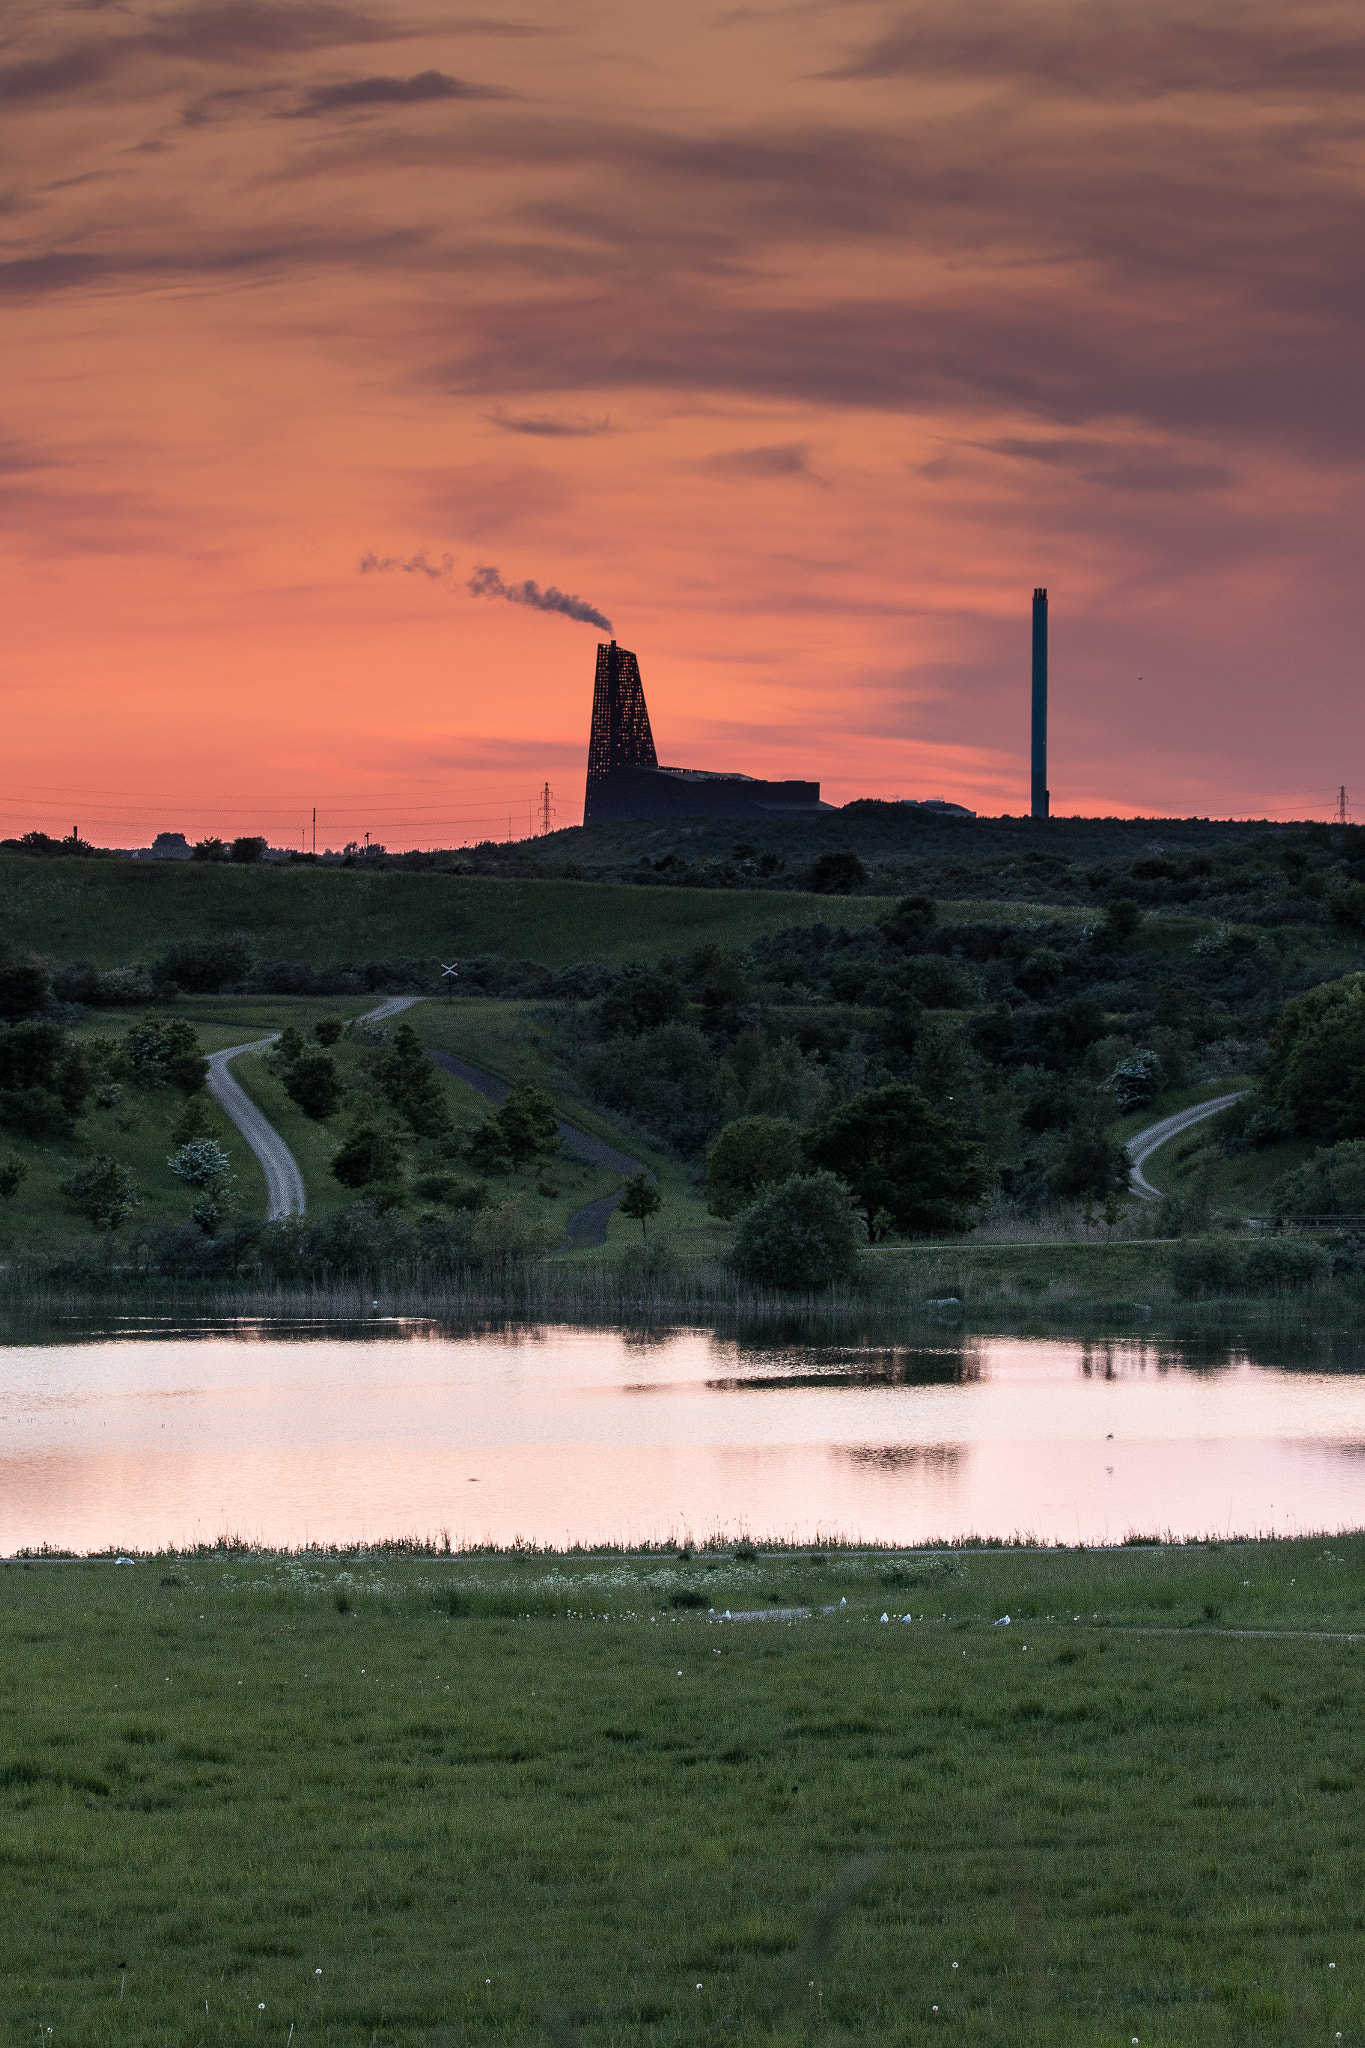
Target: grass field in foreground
x: 389, y: 1800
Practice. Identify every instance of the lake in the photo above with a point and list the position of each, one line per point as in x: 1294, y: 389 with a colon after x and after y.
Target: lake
x: 147, y: 1434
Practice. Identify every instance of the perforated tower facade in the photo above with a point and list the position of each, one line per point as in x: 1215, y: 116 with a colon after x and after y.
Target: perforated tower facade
x: 620, y: 737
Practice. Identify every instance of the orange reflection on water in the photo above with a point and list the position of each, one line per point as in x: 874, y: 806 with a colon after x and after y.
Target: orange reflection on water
x: 574, y: 1435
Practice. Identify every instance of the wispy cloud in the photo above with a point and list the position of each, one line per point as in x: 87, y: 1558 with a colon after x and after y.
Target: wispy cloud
x: 414, y: 565
x: 550, y: 426
x: 354, y: 93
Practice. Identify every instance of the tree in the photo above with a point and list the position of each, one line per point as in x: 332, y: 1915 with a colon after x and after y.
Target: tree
x: 1092, y: 1165
x: 368, y: 1156
x: 528, y: 1123
x: 163, y: 1049
x: 208, y: 849
x: 751, y: 1154
x: 204, y: 966
x: 486, y: 1150
x: 45, y: 1079
x: 409, y: 1081
x: 1137, y: 1078
x: 642, y: 999
x: 13, y: 1173
x: 203, y: 1165
x: 313, y: 1082
x: 1316, y: 1072
x: 328, y: 1030
x: 248, y: 848
x: 1122, y: 919
x: 910, y: 922
x: 103, y: 1191
x: 802, y: 1235
x: 910, y: 1168
x: 196, y: 1120
x: 836, y: 874
x: 25, y: 989
x: 640, y: 1198
x: 1331, y: 1183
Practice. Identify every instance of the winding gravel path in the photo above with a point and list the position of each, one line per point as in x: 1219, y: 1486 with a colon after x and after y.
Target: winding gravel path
x: 1143, y: 1143
x: 284, y: 1182
x: 284, y: 1192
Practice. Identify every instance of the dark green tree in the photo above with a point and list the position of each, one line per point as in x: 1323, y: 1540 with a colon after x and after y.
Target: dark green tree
x: 313, y: 1082
x: 103, y: 1191
x: 1315, y: 1075
x: 801, y: 1235
x: 909, y: 1166
x: 1091, y: 1165
x: 248, y: 848
x: 751, y: 1154
x: 910, y: 922
x: 486, y: 1150
x: 45, y: 1079
x: 208, y: 849
x: 640, y: 1199
x: 25, y: 989
x: 643, y: 998
x: 409, y: 1081
x: 369, y: 1156
x: 836, y: 873
x: 13, y: 1173
x: 166, y: 1049
x: 1121, y: 922
x: 528, y: 1124
x: 328, y: 1030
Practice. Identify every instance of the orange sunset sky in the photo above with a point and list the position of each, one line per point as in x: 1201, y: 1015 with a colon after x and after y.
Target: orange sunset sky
x: 800, y: 341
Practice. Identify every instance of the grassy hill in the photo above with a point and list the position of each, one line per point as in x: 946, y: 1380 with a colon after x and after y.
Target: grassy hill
x: 111, y: 912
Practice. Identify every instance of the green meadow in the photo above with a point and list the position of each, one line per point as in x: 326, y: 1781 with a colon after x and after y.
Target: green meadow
x: 379, y: 1798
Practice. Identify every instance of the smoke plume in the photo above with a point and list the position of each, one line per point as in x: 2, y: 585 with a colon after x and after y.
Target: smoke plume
x: 486, y: 582
x: 416, y: 565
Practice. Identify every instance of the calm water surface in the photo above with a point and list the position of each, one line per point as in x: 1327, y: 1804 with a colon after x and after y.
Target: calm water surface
x: 288, y: 1434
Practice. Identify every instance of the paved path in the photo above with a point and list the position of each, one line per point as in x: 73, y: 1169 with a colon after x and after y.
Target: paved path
x: 284, y: 1182
x: 1142, y: 1145
x: 284, y: 1194
x: 587, y: 1225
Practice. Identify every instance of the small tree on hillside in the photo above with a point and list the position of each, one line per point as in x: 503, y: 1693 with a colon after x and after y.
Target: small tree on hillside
x: 13, y: 1173
x: 640, y: 1199
x: 909, y: 1167
x: 314, y: 1083
x: 369, y: 1156
x: 528, y: 1123
x: 409, y: 1081
x: 103, y: 1191
x: 802, y: 1235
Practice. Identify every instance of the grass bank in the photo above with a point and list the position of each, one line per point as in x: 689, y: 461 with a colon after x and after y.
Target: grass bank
x: 375, y: 1799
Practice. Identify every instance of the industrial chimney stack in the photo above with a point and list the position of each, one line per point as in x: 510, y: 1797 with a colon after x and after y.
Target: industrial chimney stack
x: 1039, y: 805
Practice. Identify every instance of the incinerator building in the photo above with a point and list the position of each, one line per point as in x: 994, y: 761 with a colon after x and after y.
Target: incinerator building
x: 625, y: 780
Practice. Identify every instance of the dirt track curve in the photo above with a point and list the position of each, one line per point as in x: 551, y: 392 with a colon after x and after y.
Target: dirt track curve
x: 1142, y: 1145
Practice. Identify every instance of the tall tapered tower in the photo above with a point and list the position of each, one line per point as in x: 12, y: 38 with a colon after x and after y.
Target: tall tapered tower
x: 1040, y: 799
x: 621, y: 737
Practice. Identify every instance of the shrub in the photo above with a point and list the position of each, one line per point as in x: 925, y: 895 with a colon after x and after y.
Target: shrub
x: 248, y: 848
x: 103, y: 1191
x: 328, y: 1030
x: 313, y: 1082
x: 13, y: 1173
x: 642, y: 999
x: 368, y: 1154
x: 1277, y: 1265
x: 45, y: 1079
x: 939, y: 983
x: 1092, y: 1164
x: 204, y: 966
x: 1331, y: 1183
x: 910, y: 921
x: 208, y: 849
x: 1135, y: 1080
x: 802, y: 1235
x: 162, y: 1050
x: 25, y: 989
x: 1122, y: 921
x: 1205, y: 1265
x: 836, y: 874
x: 666, y: 1081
